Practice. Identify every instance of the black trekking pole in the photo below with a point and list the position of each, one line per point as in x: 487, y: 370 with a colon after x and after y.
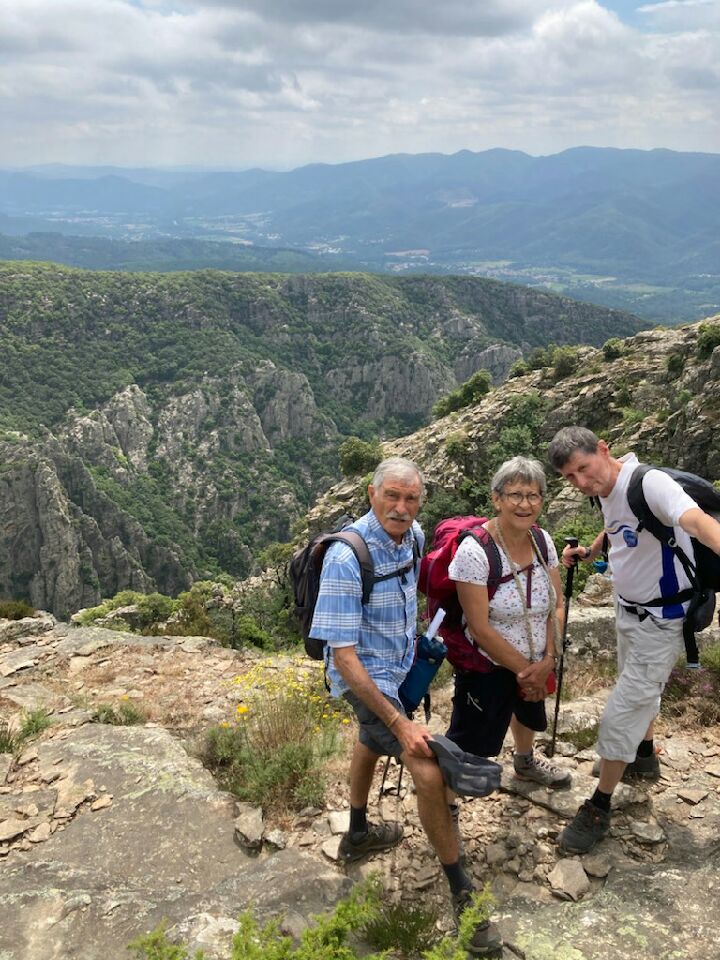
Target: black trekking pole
x: 570, y: 542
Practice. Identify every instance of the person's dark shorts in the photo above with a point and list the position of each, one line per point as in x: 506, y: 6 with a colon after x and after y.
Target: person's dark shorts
x: 483, y: 706
x: 373, y: 733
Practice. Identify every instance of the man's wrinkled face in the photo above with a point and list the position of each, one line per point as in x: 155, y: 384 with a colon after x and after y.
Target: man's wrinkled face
x: 590, y: 473
x: 395, y: 503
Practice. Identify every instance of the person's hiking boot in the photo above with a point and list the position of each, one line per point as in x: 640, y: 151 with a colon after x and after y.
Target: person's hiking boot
x: 486, y: 940
x: 378, y: 836
x: 540, y: 770
x: 644, y: 768
x: 589, y: 825
x: 454, y: 809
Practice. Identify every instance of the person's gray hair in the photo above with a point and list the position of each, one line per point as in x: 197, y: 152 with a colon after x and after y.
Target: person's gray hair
x: 569, y: 441
x: 399, y: 468
x: 519, y: 470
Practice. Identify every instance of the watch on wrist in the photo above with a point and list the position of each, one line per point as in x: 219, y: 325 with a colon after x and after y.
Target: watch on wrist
x: 588, y: 553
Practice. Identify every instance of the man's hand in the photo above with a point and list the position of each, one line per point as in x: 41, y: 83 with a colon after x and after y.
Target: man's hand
x: 571, y: 555
x: 413, y: 737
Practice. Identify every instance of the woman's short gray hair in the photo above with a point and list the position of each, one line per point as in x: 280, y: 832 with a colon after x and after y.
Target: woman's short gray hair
x: 522, y: 470
x: 406, y: 471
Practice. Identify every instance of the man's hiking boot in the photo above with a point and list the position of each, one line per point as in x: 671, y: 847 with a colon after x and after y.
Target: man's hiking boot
x: 589, y: 825
x: 644, y: 768
x: 454, y: 809
x: 486, y: 940
x: 378, y: 836
x: 540, y: 770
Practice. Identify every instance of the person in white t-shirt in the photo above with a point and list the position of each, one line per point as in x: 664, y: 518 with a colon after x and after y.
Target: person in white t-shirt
x: 649, y: 636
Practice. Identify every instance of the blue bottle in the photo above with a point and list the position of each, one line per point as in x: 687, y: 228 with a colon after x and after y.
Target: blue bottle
x: 429, y: 655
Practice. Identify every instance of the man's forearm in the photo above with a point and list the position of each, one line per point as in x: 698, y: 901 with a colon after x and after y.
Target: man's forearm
x: 358, y: 679
x: 703, y: 527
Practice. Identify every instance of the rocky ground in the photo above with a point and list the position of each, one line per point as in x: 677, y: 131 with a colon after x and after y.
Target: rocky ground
x: 107, y: 830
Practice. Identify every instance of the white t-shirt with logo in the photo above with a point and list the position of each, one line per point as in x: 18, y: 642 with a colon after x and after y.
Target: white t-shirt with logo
x: 644, y: 569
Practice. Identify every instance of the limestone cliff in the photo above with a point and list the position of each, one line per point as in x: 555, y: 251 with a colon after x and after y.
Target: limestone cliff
x: 658, y: 394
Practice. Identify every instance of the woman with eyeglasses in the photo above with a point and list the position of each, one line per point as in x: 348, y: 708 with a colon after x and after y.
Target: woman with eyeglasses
x: 518, y: 628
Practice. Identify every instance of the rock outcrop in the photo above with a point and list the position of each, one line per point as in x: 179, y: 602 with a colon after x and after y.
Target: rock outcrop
x: 107, y: 830
x: 660, y: 398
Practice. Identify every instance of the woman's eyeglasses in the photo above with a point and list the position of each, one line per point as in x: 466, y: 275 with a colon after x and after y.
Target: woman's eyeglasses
x: 516, y: 498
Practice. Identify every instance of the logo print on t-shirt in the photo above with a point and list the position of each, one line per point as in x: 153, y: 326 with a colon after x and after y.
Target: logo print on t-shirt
x: 630, y: 537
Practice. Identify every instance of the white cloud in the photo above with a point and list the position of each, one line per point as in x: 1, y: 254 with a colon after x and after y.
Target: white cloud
x: 231, y: 84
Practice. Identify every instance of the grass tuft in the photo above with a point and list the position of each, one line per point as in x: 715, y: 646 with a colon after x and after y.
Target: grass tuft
x: 126, y: 714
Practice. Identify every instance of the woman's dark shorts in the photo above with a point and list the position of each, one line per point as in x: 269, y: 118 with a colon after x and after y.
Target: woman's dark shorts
x: 483, y: 706
x: 373, y: 733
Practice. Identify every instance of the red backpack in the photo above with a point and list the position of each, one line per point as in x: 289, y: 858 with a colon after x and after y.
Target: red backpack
x: 434, y: 581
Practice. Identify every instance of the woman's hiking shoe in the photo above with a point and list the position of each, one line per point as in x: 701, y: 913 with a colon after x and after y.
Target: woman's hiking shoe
x: 378, y: 836
x: 645, y: 768
x: 589, y: 825
x: 486, y: 940
x: 540, y: 770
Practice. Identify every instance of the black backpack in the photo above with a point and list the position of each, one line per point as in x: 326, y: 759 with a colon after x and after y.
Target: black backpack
x: 704, y: 572
x: 305, y: 569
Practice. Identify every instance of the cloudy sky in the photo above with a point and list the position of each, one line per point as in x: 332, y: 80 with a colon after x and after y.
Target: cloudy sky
x: 279, y: 83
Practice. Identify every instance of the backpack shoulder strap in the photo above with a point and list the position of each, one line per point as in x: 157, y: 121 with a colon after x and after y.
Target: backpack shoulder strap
x: 539, y: 542
x: 639, y: 505
x: 359, y: 547
x: 648, y: 521
x: 483, y: 538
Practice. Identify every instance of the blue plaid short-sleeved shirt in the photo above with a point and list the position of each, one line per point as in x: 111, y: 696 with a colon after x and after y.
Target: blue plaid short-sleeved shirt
x: 384, y: 629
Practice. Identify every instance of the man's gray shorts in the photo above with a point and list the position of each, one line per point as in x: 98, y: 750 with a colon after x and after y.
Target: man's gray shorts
x: 373, y: 733
x: 647, y: 651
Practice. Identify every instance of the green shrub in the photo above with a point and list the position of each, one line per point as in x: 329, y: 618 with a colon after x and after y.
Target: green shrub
x: 15, y: 610
x: 565, y: 361
x: 156, y: 946
x: 332, y: 936
x: 632, y: 416
x: 582, y: 738
x: 469, y: 392
x: 359, y: 456
x: 693, y: 695
x: 248, y: 633
x: 274, y: 755
x: 708, y: 339
x: 126, y: 714
x: 585, y: 525
x: 404, y: 928
x: 9, y: 742
x: 456, y: 446
x: 710, y: 659
x: 675, y: 364
x: 540, y: 357
x: 613, y: 348
x: 34, y: 722
x: 518, y: 369
x: 681, y: 400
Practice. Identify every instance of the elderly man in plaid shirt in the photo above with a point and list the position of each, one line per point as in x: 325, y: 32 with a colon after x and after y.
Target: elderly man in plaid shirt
x: 369, y: 650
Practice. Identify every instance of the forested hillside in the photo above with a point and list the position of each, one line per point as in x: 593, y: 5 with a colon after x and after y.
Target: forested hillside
x: 157, y: 428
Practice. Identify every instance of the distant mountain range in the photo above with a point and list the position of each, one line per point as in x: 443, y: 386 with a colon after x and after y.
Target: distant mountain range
x: 623, y: 227
x: 159, y: 428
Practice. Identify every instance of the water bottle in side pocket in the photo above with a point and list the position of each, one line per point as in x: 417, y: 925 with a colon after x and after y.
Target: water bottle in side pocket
x: 429, y: 655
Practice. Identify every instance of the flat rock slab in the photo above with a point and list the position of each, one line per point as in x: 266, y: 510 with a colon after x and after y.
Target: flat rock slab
x: 566, y: 801
x: 666, y: 912
x: 164, y: 849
